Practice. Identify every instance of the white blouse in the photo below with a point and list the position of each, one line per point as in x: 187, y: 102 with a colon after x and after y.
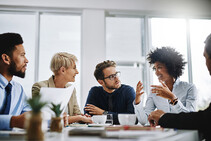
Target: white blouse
x: 186, y: 94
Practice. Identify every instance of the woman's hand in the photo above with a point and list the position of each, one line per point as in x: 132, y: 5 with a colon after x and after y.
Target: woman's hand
x: 163, y: 91
x: 85, y: 119
x: 65, y: 118
x: 87, y: 115
x: 139, y: 88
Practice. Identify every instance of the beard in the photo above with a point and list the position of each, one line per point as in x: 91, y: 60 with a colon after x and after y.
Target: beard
x: 12, y: 70
x: 113, y: 87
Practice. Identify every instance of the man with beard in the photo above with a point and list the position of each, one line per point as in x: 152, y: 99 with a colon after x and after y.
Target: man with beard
x: 194, y: 120
x: 111, y: 97
x: 13, y: 62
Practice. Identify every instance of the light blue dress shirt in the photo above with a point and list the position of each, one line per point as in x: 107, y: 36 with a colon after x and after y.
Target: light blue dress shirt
x: 186, y: 94
x: 18, y: 102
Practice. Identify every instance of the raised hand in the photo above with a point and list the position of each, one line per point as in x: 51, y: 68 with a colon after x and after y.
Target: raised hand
x: 163, y: 91
x: 139, y: 92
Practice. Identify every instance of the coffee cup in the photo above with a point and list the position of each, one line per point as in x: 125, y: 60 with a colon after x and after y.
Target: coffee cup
x: 127, y: 119
x: 99, y: 119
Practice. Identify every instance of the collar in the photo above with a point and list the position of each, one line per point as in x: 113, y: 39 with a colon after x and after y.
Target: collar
x: 52, y: 84
x: 3, y: 81
x: 176, y: 82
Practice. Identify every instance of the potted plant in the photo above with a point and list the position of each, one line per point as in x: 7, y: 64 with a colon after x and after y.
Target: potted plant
x: 34, y: 123
x: 56, y: 124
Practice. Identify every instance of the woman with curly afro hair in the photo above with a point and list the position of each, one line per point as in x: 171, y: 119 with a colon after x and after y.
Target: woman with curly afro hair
x: 173, y: 95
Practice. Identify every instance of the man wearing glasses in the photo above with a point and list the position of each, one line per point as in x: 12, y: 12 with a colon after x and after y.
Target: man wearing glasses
x: 111, y: 97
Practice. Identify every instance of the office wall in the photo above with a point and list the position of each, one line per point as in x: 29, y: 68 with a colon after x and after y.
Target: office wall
x: 93, y: 48
x: 93, y: 24
x: 181, y: 7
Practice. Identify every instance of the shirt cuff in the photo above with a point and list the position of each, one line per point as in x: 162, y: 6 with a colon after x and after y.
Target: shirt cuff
x: 178, y: 107
x: 5, y: 122
x: 137, y: 105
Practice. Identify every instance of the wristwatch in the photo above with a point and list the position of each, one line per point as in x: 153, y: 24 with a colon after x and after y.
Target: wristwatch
x: 105, y: 112
x: 174, y: 102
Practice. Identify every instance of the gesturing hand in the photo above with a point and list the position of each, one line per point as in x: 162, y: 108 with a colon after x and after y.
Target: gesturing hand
x: 139, y: 88
x: 163, y: 91
x: 94, y: 110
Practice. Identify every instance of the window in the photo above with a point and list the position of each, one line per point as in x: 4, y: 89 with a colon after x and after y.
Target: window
x: 23, y: 24
x: 59, y: 33
x: 175, y: 33
x: 124, y: 46
x: 199, y: 30
x: 172, y: 33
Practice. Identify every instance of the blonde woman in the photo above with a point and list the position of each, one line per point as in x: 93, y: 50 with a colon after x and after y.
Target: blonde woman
x: 63, y: 65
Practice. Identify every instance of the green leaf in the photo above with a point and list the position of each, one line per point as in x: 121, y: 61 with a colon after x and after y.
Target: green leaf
x: 56, y: 109
x: 36, y: 104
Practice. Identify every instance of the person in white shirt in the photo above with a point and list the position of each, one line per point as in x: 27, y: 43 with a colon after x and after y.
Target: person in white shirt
x: 173, y: 95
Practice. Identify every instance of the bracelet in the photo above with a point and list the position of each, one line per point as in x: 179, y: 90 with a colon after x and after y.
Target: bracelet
x: 174, y: 102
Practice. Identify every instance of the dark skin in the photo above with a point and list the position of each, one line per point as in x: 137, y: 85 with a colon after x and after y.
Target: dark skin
x: 18, y: 121
x: 155, y: 116
x: 164, y: 90
x: 18, y: 57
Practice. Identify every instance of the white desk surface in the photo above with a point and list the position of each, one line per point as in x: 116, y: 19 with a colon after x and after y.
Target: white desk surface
x: 166, y: 135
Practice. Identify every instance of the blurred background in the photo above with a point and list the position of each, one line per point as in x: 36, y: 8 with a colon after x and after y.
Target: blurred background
x: 120, y: 30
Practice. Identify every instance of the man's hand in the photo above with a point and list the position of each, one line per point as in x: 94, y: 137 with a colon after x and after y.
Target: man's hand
x: 163, y: 91
x: 154, y: 117
x: 18, y: 121
x: 139, y: 88
x: 94, y: 110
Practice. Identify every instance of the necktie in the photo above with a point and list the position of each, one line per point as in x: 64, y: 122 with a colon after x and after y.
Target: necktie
x: 6, y: 108
x: 110, y: 103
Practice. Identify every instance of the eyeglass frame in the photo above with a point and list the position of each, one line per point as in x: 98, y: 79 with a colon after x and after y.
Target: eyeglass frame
x: 113, y: 76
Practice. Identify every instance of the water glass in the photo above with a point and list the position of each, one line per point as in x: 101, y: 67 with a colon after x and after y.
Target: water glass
x: 109, y: 119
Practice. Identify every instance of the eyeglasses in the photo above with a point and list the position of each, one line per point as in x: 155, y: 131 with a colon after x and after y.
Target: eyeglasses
x: 113, y: 76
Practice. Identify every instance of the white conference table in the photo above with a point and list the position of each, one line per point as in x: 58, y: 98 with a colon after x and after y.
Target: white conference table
x: 125, y: 135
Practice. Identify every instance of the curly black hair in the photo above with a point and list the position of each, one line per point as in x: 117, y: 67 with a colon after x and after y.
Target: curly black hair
x: 172, y: 59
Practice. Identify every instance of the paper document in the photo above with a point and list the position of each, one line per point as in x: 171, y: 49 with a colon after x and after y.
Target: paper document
x: 56, y: 96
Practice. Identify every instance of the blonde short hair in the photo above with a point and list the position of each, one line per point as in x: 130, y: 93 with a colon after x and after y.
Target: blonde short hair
x: 62, y: 59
